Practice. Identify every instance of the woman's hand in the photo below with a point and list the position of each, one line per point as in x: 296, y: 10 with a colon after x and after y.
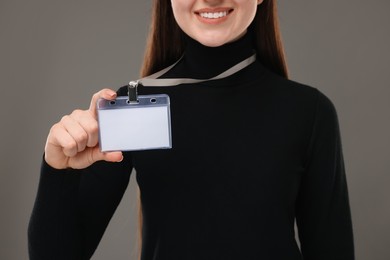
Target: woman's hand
x: 73, y: 142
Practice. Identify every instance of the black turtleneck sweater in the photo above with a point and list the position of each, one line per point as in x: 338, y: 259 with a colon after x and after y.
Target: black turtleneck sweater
x: 251, y: 154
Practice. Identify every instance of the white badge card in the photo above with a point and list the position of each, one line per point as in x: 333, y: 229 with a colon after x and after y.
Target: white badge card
x: 129, y: 126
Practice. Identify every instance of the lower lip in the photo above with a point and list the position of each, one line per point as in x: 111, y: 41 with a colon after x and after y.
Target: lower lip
x: 213, y: 20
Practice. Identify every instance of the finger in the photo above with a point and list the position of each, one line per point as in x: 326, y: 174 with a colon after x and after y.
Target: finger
x: 76, y: 131
x: 106, y: 93
x: 91, y: 127
x: 89, y: 124
x: 61, y: 138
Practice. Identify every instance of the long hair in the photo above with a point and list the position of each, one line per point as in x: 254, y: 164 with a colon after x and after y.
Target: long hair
x: 166, y: 43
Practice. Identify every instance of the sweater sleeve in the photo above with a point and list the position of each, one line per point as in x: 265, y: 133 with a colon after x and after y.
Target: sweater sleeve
x: 73, y: 208
x: 322, y: 209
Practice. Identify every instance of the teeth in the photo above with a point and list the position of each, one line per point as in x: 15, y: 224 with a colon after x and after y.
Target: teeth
x: 213, y: 15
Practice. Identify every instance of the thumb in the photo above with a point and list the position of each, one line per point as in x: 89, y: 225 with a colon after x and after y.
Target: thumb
x: 97, y: 155
x: 92, y: 155
x: 113, y: 157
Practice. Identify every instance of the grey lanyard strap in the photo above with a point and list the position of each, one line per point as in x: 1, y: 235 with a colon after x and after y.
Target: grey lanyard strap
x: 154, y: 81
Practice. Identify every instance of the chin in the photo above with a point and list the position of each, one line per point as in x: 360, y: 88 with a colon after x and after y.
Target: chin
x: 217, y: 39
x: 212, y: 42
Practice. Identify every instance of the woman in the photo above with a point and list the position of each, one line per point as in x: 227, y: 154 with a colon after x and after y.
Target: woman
x: 252, y: 153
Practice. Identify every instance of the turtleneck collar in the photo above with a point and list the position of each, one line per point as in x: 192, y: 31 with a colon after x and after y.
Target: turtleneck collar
x: 202, y: 62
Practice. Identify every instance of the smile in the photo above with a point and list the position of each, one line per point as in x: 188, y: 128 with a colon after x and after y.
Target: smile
x: 214, y: 14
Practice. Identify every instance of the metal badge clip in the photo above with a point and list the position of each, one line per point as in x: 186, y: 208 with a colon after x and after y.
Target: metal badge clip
x: 132, y: 92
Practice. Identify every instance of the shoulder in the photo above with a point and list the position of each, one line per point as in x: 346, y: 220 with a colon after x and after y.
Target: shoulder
x: 302, y: 104
x: 321, y: 109
x: 297, y: 93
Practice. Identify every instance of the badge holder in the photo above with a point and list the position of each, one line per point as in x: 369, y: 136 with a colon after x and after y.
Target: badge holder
x: 144, y: 122
x: 134, y: 122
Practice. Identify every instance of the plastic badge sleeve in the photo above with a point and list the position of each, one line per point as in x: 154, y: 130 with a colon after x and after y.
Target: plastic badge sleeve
x: 125, y: 126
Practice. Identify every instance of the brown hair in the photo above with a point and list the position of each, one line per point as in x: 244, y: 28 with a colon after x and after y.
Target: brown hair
x: 166, y: 44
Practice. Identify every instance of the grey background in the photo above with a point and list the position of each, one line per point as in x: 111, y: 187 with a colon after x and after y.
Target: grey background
x: 55, y: 54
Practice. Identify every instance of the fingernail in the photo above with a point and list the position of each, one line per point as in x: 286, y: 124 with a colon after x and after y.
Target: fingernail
x: 121, y: 159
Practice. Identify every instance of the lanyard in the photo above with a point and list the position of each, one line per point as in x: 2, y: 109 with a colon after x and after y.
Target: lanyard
x: 154, y: 81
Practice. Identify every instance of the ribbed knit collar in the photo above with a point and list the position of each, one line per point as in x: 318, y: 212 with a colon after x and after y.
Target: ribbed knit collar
x: 201, y: 62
